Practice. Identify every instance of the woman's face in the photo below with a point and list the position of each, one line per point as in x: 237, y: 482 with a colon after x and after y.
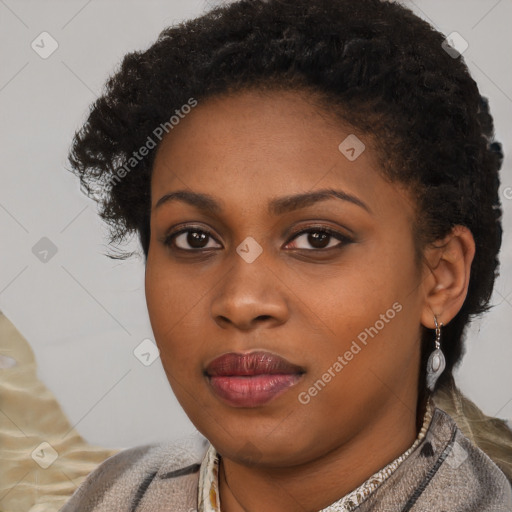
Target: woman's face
x: 256, y: 272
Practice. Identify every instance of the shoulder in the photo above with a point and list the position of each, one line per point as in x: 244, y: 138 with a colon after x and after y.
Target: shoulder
x: 143, y: 477
x: 445, y: 471
x: 465, y: 470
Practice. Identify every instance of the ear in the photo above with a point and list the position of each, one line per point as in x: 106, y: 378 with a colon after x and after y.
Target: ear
x: 446, y: 276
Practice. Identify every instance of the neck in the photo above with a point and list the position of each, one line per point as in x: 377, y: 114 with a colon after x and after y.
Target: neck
x: 321, y: 482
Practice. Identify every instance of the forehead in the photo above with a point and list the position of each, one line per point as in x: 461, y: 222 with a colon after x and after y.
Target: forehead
x: 251, y: 146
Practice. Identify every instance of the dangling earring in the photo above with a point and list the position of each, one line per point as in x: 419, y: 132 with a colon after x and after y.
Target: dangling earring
x: 436, y: 362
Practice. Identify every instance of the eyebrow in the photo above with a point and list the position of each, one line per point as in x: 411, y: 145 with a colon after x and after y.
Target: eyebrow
x: 277, y: 206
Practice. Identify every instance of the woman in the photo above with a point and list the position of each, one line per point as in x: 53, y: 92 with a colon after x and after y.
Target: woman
x: 314, y: 184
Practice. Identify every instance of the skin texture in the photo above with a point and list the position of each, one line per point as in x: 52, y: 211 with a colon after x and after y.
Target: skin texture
x: 298, y: 300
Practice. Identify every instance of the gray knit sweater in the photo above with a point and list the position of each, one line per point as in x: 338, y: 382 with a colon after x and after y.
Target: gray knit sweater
x: 445, y: 473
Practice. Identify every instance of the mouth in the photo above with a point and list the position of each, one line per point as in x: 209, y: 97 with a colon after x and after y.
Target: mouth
x: 251, y: 379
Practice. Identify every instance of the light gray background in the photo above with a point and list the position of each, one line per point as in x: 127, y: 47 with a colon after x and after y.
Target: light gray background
x: 83, y: 313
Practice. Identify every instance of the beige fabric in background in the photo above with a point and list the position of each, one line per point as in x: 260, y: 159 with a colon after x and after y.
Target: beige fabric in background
x: 35, y: 477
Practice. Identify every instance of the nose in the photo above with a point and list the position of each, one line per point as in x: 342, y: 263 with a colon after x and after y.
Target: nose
x: 249, y: 296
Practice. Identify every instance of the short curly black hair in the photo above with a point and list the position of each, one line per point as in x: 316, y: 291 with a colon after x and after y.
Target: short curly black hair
x: 376, y: 65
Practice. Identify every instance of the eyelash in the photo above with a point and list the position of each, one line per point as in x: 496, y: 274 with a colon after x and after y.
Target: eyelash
x: 344, y: 240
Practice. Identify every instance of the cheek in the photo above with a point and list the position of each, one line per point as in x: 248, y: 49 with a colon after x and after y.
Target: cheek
x: 371, y: 315
x: 172, y: 299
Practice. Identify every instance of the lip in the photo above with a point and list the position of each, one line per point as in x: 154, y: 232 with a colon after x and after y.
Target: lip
x: 251, y: 379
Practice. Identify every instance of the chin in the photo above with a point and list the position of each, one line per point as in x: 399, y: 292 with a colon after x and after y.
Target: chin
x: 255, y: 445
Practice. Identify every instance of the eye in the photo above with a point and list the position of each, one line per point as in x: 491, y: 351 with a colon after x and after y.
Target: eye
x: 195, y: 239
x: 319, y: 238
x: 190, y: 239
